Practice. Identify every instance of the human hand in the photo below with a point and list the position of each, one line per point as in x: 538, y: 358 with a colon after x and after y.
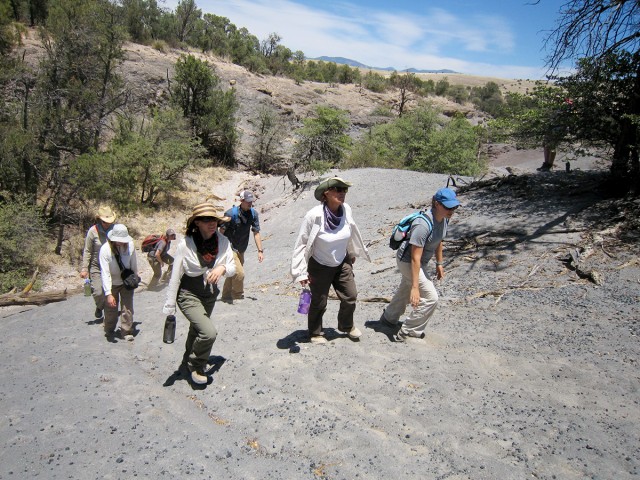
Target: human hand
x: 111, y: 301
x: 215, y: 274
x: 84, y: 274
x: 260, y: 257
x: 439, y: 272
x: 414, y: 297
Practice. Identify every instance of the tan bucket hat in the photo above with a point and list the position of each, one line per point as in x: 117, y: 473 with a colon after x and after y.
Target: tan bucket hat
x: 106, y: 214
x: 207, y: 210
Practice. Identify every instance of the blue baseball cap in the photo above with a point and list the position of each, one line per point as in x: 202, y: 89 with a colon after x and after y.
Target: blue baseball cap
x: 447, y: 197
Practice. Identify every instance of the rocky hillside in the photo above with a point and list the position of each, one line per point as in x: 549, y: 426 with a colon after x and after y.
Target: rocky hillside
x: 148, y: 72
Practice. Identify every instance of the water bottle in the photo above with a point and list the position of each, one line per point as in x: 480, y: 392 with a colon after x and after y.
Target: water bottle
x: 169, y: 329
x: 305, y: 301
x: 87, y: 287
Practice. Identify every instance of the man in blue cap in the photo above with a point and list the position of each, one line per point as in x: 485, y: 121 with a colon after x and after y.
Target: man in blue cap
x: 424, y: 239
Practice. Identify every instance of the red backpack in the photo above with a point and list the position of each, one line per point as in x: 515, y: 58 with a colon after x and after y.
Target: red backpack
x: 149, y: 243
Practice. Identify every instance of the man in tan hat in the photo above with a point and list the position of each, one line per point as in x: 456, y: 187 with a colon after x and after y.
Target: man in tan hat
x: 95, y: 238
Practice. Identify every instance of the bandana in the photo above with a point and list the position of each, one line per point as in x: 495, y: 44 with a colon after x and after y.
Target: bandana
x: 332, y: 220
x: 207, y: 249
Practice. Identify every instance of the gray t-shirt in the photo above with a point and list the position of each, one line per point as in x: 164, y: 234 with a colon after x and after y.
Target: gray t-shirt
x: 421, y: 235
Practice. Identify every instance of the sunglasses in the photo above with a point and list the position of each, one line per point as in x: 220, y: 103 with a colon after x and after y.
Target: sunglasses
x: 447, y: 208
x: 207, y: 219
x: 339, y: 189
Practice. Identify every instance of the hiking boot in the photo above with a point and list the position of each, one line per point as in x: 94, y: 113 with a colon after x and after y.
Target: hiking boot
x: 402, y: 336
x: 354, y: 333
x: 199, y: 378
x: 318, y: 339
x: 98, y: 313
x: 383, y: 320
x: 228, y: 300
x: 127, y: 336
x: 544, y: 168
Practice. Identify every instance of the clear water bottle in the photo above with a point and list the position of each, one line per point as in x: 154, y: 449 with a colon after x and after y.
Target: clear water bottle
x: 169, y: 329
x: 87, y: 287
x: 304, y: 301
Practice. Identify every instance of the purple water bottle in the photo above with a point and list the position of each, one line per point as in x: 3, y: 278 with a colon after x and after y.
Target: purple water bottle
x: 305, y: 301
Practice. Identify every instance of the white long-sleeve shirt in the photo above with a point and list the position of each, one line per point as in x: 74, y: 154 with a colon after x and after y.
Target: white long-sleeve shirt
x: 311, y: 225
x: 109, y: 268
x: 186, y: 263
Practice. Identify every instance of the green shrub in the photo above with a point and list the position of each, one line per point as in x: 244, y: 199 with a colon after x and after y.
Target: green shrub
x: 22, y: 243
x: 160, y: 45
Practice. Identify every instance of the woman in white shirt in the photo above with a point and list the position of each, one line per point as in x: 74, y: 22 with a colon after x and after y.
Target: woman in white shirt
x: 118, y: 244
x: 323, y: 256
x: 202, y: 258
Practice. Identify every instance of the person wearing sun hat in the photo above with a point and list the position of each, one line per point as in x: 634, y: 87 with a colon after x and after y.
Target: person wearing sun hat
x: 96, y: 237
x: 416, y: 288
x: 203, y: 257
x: 326, y: 247
x: 116, y: 254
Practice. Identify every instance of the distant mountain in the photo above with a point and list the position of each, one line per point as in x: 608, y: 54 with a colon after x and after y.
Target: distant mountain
x: 354, y: 63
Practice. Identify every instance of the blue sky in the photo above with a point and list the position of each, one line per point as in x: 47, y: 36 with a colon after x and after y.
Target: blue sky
x: 499, y: 38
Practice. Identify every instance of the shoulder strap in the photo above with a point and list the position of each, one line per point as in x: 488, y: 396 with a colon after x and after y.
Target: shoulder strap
x: 119, y: 260
x: 234, y: 214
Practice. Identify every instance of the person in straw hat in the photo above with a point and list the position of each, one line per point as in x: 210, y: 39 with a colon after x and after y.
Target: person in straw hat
x: 203, y: 257
x: 95, y: 238
x: 323, y: 256
x: 117, y: 254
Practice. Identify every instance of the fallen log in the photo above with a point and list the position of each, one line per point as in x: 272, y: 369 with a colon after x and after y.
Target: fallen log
x: 41, y: 298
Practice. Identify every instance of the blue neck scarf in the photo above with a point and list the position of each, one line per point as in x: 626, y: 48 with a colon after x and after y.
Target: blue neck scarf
x: 332, y: 220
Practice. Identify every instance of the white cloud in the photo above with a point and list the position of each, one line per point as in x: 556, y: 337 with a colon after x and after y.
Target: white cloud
x: 429, y: 40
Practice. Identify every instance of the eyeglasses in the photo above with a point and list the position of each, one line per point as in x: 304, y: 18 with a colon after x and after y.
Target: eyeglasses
x: 207, y: 219
x: 339, y: 189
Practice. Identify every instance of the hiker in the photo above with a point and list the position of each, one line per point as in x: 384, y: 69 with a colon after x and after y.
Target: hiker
x: 158, y: 255
x: 323, y: 256
x: 95, y: 238
x: 555, y: 133
x: 243, y: 220
x: 117, y: 254
x: 423, y: 242
x: 202, y: 258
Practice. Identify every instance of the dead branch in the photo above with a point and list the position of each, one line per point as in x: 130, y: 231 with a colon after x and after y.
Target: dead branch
x: 29, y: 286
x: 383, y: 270
x: 41, y: 298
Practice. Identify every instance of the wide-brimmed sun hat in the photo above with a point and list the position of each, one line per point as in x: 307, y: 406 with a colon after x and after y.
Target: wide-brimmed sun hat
x: 106, y: 214
x: 207, y: 210
x: 447, y: 197
x: 119, y: 233
x: 327, y: 184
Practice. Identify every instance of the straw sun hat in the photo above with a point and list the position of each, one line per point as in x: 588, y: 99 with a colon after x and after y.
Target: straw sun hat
x: 207, y: 210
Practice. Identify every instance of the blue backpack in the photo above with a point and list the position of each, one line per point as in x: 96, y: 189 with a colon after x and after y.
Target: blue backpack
x: 400, y: 232
x: 235, y: 221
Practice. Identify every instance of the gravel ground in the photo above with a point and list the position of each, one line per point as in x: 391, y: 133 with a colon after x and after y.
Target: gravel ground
x: 527, y: 369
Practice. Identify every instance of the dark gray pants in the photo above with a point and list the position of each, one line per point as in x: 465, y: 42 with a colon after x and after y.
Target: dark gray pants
x: 321, y: 278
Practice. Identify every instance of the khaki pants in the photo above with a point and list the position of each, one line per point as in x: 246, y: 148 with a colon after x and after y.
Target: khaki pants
x: 417, y: 320
x: 202, y: 333
x: 96, y: 288
x: 157, y: 269
x: 234, y: 286
x: 124, y: 300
